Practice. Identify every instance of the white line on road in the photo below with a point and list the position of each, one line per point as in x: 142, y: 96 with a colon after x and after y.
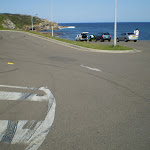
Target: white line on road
x: 94, y: 69
x: 31, y: 132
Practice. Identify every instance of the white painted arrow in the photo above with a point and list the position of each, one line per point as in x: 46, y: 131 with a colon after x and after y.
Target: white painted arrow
x: 94, y: 69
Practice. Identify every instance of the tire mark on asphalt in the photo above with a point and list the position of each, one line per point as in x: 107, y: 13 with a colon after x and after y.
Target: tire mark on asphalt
x: 1, y: 37
x: 91, y: 74
x: 9, y: 70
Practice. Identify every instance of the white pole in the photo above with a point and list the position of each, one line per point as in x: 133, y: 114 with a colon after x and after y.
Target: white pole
x: 52, y: 32
x: 115, y: 25
x: 52, y: 16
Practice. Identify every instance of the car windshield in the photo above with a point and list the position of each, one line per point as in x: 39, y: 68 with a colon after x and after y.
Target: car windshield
x: 84, y: 35
x: 106, y: 33
x: 130, y: 33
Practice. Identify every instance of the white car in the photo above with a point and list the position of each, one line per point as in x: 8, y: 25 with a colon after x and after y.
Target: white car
x: 82, y: 37
x: 127, y: 37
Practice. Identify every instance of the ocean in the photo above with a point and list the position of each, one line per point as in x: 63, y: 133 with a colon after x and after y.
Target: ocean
x: 94, y: 28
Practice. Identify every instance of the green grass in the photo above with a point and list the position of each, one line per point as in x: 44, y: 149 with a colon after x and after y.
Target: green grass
x: 1, y: 28
x: 87, y: 44
x: 1, y: 21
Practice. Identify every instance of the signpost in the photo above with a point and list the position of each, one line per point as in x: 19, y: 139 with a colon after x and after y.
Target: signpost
x: 32, y: 22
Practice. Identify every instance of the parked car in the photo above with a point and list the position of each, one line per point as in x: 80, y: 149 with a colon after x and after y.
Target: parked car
x: 92, y: 37
x: 102, y: 37
x: 127, y: 37
x: 82, y: 37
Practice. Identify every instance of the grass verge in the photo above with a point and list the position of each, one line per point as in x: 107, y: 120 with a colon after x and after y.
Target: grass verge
x: 87, y: 44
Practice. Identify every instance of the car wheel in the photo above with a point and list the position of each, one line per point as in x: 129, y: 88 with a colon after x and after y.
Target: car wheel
x: 135, y: 40
x: 117, y: 40
x: 109, y: 40
x: 125, y: 40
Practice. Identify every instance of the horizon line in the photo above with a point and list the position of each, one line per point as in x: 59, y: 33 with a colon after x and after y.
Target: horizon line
x: 110, y: 22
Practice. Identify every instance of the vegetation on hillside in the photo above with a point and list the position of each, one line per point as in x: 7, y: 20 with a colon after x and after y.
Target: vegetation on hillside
x: 19, y: 20
x: 2, y: 18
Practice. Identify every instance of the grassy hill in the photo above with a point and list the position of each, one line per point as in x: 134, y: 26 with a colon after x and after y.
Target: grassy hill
x: 19, y: 20
x: 2, y: 17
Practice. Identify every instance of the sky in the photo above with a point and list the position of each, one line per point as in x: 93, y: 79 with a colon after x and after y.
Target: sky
x: 78, y: 11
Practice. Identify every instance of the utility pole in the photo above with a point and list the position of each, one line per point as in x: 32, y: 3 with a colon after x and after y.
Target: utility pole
x: 32, y: 21
x: 52, y: 17
x: 115, y: 25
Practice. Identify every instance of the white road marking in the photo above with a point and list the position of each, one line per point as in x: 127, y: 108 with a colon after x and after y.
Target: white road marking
x: 31, y: 132
x: 16, y: 95
x: 18, y: 87
x: 94, y: 69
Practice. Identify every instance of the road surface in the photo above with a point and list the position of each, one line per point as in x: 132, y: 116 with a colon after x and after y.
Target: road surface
x: 102, y: 99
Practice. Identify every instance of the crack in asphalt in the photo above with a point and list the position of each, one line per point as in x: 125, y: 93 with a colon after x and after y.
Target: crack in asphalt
x: 1, y: 37
x: 10, y: 70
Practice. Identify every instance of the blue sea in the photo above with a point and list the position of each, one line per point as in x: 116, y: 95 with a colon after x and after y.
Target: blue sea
x: 94, y: 28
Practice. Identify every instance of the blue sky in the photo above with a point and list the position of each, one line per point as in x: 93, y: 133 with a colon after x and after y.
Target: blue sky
x: 65, y: 11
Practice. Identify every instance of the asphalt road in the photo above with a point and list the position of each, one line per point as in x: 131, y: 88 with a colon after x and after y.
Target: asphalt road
x: 102, y: 99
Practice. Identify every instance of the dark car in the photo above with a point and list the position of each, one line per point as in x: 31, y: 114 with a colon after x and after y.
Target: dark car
x: 102, y: 37
x: 127, y: 37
